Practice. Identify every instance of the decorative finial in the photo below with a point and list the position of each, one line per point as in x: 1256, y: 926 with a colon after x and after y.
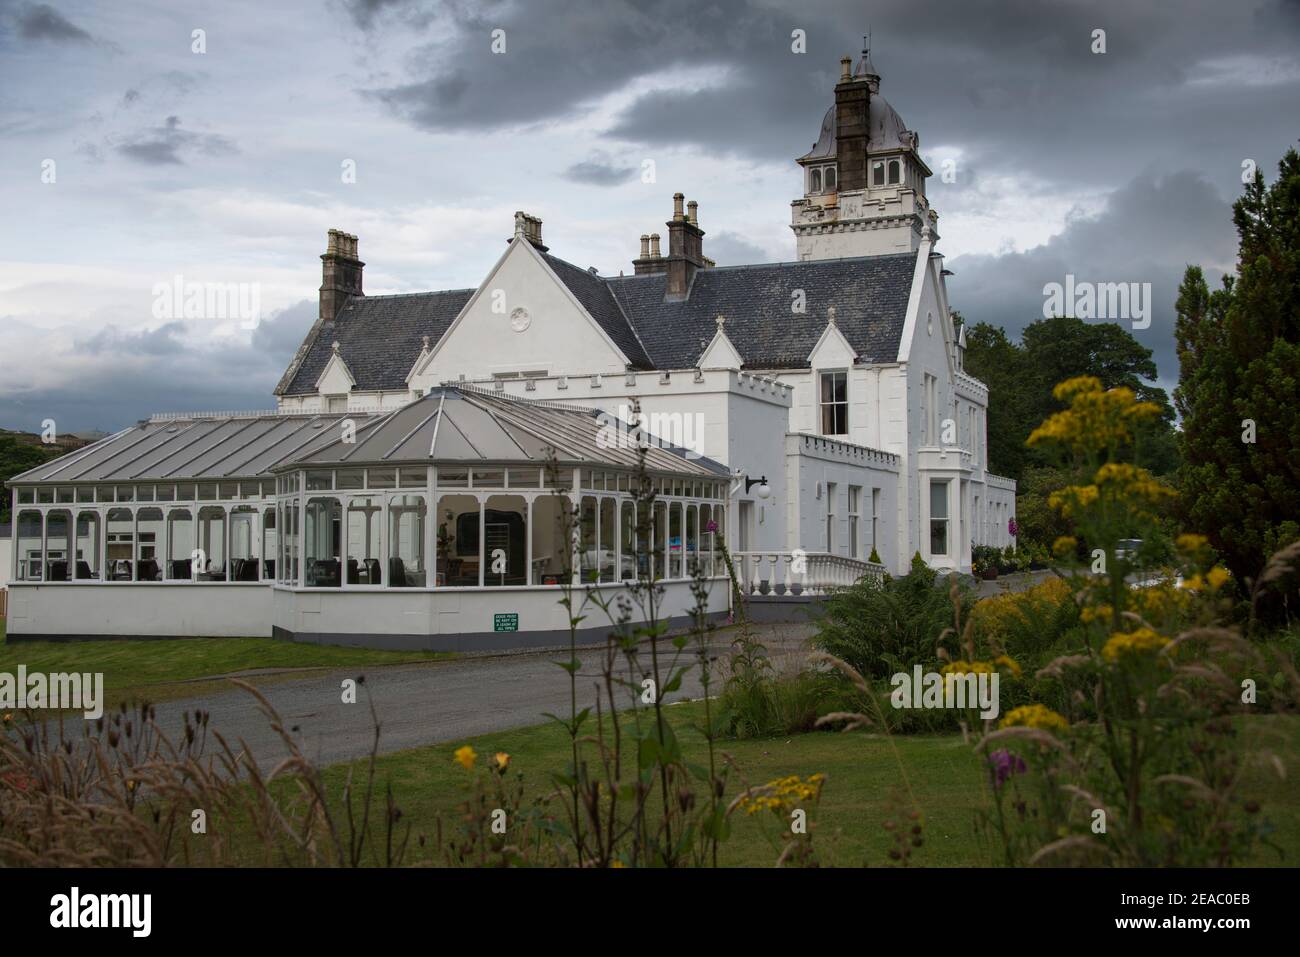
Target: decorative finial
x: 425, y: 341
x: 830, y: 315
x: 721, y: 321
x: 335, y: 346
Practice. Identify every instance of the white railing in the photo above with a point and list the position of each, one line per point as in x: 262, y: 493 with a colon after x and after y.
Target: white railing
x: 783, y: 573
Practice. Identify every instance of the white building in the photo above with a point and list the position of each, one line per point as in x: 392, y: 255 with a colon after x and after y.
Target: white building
x: 818, y: 409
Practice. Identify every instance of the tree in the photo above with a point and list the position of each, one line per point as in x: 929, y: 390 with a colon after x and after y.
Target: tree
x: 1239, y: 383
x: 20, y: 451
x: 1021, y: 377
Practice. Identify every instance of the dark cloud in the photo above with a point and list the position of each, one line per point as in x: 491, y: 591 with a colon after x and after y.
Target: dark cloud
x: 139, y: 373
x: 600, y: 170
x: 1014, y: 85
x: 165, y: 145
x: 40, y: 21
x: 1150, y: 230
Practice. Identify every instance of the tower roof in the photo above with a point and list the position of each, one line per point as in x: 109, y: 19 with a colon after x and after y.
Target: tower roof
x: 887, y: 131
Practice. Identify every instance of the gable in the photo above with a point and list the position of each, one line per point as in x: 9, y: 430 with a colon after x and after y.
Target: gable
x: 523, y: 318
x: 336, y: 378
x: 832, y: 349
x: 720, y: 353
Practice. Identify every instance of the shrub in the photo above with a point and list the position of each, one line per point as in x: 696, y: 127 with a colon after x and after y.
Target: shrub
x: 883, y: 627
x: 1025, y: 623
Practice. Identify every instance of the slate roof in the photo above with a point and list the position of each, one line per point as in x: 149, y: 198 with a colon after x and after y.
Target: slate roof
x: 869, y: 294
x: 380, y: 336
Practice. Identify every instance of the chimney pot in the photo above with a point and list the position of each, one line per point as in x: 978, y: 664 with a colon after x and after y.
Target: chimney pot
x: 691, y: 209
x: 645, y: 245
x: 846, y: 64
x: 678, y: 199
x: 654, y: 245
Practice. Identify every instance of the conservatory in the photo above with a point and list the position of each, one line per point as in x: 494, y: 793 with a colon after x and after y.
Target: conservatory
x: 453, y: 522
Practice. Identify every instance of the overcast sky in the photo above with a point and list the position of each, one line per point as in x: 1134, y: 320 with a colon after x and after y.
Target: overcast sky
x: 226, y: 166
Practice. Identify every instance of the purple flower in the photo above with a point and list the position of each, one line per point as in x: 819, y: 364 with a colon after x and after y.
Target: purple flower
x: 712, y: 526
x: 1012, y: 527
x: 1005, y: 764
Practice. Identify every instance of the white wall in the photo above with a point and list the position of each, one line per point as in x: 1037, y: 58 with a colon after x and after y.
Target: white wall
x: 226, y: 610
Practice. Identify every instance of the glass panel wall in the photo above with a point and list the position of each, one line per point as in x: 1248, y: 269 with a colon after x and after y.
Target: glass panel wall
x: 148, y: 544
x: 58, y: 546
x: 458, y: 540
x: 322, y: 540
x: 407, y: 515
x: 270, y: 544
x: 505, y: 541
x: 553, y: 526
x: 120, y: 545
x: 27, y: 540
x: 90, y: 537
x: 365, y: 544
x: 245, y: 545
x: 180, y: 547
x: 211, y: 546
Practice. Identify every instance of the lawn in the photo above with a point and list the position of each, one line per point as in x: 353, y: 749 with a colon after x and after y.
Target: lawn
x: 861, y: 793
x: 164, y: 669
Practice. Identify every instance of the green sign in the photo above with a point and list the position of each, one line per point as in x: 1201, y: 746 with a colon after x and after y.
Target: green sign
x: 505, y: 621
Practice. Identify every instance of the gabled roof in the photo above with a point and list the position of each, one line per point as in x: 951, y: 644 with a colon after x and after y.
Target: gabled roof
x: 870, y: 295
x: 379, y: 338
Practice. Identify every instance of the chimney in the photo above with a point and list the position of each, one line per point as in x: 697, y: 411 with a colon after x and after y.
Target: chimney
x: 852, y: 97
x: 650, y: 260
x: 340, y: 273
x: 530, y: 227
x: 691, y: 208
x: 685, y: 249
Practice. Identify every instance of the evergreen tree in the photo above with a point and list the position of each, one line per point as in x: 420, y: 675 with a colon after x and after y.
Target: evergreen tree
x: 1239, y: 383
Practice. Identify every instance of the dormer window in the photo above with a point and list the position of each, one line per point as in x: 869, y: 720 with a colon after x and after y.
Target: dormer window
x: 821, y: 179
x: 895, y: 170
x: 878, y: 173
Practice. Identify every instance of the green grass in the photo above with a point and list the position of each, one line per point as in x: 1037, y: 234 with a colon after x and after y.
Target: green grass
x: 863, y: 775
x: 168, y: 668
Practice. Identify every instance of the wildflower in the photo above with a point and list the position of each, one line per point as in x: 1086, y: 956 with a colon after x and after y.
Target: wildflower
x: 1217, y: 577
x: 712, y: 526
x: 1064, y: 546
x: 1035, y: 716
x: 466, y: 756
x: 1142, y: 641
x: 1005, y: 764
x: 1192, y: 543
x: 1009, y: 664
x: 503, y: 761
x: 1091, y: 613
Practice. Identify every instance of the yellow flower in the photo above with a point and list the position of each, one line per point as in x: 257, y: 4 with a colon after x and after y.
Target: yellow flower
x: 1218, y: 576
x: 466, y: 756
x: 617, y: 863
x: 1035, y: 716
x: 1064, y: 546
x: 1191, y: 543
x: 1142, y: 641
x: 1009, y: 664
x: 503, y: 760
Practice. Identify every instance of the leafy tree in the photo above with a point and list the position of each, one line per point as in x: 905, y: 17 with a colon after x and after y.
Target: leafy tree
x: 1239, y: 383
x: 1021, y: 376
x: 18, y: 453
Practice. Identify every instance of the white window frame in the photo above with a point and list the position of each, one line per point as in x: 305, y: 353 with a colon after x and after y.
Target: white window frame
x: 822, y: 404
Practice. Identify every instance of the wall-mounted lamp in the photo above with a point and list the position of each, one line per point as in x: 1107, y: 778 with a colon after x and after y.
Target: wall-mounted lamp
x: 764, y: 490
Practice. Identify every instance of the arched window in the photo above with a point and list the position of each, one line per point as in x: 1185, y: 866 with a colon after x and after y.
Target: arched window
x: 895, y: 168
x: 830, y: 179
x: 815, y: 181
x: 878, y: 173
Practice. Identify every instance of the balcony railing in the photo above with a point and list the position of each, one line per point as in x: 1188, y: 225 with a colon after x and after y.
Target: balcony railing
x: 790, y: 573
